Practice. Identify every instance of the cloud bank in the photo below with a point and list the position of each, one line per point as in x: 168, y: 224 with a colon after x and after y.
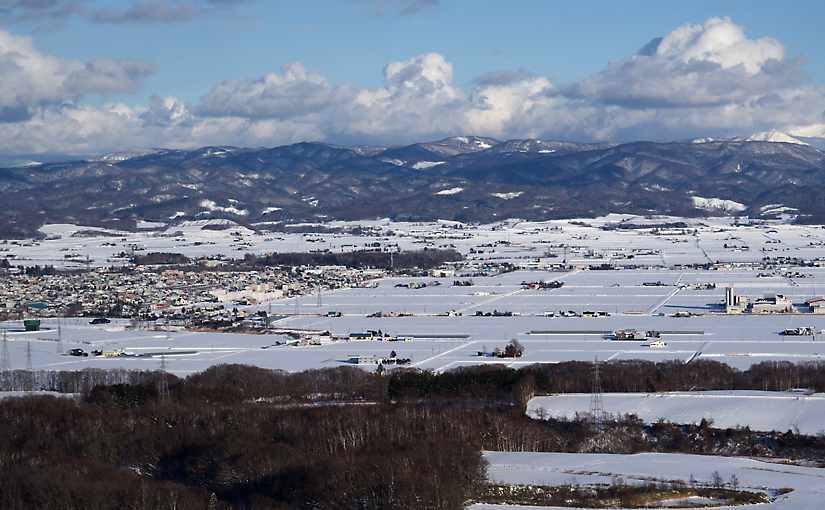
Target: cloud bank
x: 698, y: 80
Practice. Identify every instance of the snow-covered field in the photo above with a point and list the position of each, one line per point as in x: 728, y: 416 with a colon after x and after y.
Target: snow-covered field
x: 737, y: 340
x: 759, y: 410
x: 627, y: 295
x: 808, y: 484
x: 715, y: 239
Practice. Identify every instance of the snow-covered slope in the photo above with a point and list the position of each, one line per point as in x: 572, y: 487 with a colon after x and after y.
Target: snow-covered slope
x: 450, y: 191
x: 717, y: 204
x: 762, y: 136
x: 771, y: 136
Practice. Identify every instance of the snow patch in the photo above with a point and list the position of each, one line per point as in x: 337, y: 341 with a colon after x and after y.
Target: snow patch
x: 213, y: 207
x: 657, y: 187
x: 269, y: 210
x: 144, y: 224
x: 717, y: 204
x: 423, y: 165
x: 507, y: 196
x: 777, y: 209
x: 69, y: 229
x: 450, y: 191
x: 312, y: 201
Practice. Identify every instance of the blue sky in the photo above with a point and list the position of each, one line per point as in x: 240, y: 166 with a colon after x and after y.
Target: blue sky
x: 350, y: 40
x: 187, y: 72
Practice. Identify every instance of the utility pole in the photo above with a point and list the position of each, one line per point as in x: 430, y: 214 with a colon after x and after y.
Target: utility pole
x: 59, y: 337
x: 163, y: 385
x: 5, y: 362
x: 29, y: 355
x: 596, y: 403
x: 319, y: 296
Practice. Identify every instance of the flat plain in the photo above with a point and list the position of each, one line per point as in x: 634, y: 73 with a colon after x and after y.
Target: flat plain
x: 650, y: 283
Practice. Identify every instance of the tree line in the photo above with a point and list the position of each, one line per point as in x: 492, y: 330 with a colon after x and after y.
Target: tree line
x: 621, y: 376
x: 420, y: 259
x: 484, y: 382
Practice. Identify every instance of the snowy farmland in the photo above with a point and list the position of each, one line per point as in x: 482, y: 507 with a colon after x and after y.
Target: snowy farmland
x: 808, y: 484
x: 442, y: 342
x: 726, y: 409
x: 737, y: 340
x: 702, y: 240
x: 441, y: 318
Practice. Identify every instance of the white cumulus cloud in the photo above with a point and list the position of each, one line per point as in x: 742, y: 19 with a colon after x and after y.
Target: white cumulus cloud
x: 30, y: 79
x: 708, y: 79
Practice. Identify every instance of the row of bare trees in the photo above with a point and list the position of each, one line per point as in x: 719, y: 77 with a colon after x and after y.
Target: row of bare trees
x: 488, y: 382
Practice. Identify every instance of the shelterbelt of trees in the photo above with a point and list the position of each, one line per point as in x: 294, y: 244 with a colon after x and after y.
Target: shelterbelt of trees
x: 403, y: 260
x: 244, y: 437
x: 489, y: 382
x: 420, y: 259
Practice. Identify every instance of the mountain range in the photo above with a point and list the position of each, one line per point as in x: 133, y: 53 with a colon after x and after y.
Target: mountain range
x: 465, y: 178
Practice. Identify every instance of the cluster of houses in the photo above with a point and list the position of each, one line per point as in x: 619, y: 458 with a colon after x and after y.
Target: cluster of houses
x: 188, y: 297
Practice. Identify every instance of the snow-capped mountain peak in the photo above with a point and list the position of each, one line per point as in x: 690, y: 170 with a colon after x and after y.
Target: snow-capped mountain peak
x: 772, y: 136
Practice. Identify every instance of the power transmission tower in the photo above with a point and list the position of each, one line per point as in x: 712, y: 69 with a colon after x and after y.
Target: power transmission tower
x: 163, y: 384
x: 596, y: 403
x: 5, y: 361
